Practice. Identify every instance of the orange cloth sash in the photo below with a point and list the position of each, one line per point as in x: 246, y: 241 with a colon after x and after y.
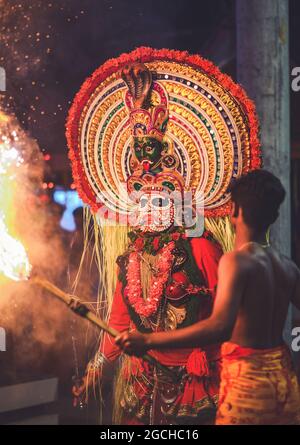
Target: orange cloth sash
x: 258, y: 387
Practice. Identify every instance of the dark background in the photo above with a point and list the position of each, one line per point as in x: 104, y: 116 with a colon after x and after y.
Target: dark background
x: 48, y: 48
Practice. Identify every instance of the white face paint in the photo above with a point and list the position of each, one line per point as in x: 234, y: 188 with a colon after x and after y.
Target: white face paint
x: 155, y: 212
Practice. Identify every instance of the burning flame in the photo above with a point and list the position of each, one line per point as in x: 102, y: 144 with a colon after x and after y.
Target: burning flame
x: 14, y: 262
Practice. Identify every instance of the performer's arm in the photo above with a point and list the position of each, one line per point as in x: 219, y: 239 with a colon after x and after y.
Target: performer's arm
x: 108, y: 351
x: 120, y: 320
x: 218, y: 327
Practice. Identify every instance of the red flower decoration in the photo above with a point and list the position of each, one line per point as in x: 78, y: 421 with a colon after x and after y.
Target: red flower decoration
x: 176, y: 236
x: 148, y: 306
x: 156, y: 243
x: 139, y: 243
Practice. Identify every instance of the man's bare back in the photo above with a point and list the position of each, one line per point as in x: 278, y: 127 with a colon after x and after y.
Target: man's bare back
x: 270, y: 284
x: 255, y: 287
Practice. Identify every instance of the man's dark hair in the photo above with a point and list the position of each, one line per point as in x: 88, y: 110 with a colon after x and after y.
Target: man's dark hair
x: 260, y: 194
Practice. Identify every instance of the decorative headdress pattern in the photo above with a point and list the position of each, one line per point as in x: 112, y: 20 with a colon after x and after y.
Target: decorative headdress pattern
x: 209, y: 123
x: 143, y: 122
x: 149, y: 123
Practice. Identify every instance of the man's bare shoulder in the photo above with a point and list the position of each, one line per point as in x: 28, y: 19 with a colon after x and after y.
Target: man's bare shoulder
x: 236, y: 261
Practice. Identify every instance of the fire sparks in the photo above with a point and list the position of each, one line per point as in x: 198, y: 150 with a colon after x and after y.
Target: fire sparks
x: 14, y: 262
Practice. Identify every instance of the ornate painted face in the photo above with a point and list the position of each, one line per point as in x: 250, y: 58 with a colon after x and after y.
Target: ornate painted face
x: 148, y: 151
x: 155, y: 212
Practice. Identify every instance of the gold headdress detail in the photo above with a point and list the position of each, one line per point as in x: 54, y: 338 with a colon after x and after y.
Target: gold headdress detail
x: 145, y: 120
x: 205, y: 123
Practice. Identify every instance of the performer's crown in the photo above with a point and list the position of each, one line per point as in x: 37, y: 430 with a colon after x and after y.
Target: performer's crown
x: 150, y: 123
x: 145, y: 119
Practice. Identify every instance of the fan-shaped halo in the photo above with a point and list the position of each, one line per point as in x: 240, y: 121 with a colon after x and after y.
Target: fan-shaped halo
x: 212, y: 126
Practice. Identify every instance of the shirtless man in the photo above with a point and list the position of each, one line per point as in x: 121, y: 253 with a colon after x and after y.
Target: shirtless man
x: 256, y: 284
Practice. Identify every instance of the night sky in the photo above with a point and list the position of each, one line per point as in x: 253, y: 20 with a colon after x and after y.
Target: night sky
x: 49, y: 48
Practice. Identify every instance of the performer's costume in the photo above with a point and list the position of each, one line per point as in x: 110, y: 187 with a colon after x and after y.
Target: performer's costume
x: 147, y: 132
x: 148, y: 395
x: 258, y: 387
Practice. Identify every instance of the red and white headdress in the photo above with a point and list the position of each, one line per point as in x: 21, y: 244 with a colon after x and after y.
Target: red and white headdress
x: 209, y: 121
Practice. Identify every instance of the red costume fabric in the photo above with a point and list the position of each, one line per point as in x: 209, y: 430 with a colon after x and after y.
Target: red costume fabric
x: 196, y: 399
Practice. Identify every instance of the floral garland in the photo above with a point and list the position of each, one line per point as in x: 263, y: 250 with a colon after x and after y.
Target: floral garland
x: 133, y: 291
x: 152, y: 244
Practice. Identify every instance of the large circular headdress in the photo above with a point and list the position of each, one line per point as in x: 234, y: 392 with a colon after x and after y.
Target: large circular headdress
x: 212, y: 127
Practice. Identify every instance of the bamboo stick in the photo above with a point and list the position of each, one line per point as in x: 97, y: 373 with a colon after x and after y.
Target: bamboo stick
x: 81, y: 309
